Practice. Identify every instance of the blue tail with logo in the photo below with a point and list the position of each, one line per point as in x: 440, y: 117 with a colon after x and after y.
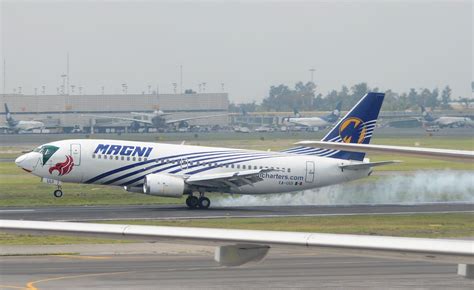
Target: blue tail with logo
x: 356, y: 126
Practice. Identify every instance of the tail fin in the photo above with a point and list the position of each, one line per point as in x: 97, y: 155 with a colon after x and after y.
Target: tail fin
x: 355, y: 127
x: 426, y: 115
x: 7, y: 111
x: 296, y: 113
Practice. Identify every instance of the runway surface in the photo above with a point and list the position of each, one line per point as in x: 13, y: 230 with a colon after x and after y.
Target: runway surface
x: 292, y: 270
x: 91, y: 213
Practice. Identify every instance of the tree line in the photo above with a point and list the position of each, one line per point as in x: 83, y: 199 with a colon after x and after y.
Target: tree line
x: 303, y: 97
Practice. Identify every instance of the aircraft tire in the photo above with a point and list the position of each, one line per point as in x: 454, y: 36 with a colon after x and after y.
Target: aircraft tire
x: 58, y: 193
x: 204, y: 202
x: 192, y: 202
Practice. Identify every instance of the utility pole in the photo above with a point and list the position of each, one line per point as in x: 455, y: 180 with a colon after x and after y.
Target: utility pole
x: 67, y: 72
x: 181, y: 79
x: 4, y: 75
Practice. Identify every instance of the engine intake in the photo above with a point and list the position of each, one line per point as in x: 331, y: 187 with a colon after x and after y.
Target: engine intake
x: 164, y: 185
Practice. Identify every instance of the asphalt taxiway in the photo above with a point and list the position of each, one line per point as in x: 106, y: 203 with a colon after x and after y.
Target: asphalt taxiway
x: 298, y: 269
x: 93, y: 213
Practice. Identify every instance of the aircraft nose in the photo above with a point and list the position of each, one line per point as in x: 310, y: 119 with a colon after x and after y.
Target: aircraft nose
x: 27, y: 161
x: 20, y: 159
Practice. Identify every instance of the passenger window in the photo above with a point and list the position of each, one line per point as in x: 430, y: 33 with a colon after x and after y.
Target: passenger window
x: 111, y: 157
x: 232, y: 166
x: 122, y: 158
x: 238, y: 166
x: 116, y: 157
x: 134, y: 159
x: 261, y: 167
x: 255, y: 167
x: 128, y: 158
x: 99, y: 156
x: 145, y: 159
x: 93, y: 156
x: 289, y: 170
x: 243, y: 166
x: 139, y: 159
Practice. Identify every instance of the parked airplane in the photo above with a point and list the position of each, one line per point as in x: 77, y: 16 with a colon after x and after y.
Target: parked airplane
x: 444, y: 121
x: 175, y: 170
x: 316, y: 122
x: 155, y: 119
x: 20, y: 126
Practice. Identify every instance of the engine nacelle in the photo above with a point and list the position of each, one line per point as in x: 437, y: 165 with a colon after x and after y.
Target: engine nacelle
x: 164, y: 185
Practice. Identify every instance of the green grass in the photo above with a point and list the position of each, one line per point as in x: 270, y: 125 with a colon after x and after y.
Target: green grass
x: 18, y: 188
x: 22, y: 239
x: 452, y: 225
x: 414, y: 225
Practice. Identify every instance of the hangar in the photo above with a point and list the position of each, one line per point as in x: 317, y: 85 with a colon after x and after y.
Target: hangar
x: 69, y: 111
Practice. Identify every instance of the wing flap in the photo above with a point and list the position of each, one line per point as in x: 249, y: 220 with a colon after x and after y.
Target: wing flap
x: 367, y: 165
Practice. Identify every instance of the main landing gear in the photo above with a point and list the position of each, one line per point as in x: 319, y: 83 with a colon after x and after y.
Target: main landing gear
x: 194, y: 202
x: 58, y: 192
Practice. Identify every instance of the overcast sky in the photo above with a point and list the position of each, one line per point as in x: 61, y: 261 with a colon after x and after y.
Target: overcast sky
x: 248, y: 46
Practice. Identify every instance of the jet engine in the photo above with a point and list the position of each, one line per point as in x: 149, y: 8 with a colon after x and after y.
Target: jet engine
x: 164, y: 185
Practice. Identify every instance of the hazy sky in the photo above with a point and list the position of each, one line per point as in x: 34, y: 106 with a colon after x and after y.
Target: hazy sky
x: 248, y: 46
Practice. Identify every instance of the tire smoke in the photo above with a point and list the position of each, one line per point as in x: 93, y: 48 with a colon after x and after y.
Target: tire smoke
x: 420, y: 187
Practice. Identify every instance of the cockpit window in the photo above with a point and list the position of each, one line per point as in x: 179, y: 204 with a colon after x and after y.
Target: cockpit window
x: 47, y: 151
x: 38, y: 149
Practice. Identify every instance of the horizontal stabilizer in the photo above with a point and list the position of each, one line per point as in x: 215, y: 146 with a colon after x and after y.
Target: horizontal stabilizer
x: 367, y: 165
x: 434, y: 153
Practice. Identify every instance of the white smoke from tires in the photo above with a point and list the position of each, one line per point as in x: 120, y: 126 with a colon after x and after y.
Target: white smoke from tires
x: 419, y: 187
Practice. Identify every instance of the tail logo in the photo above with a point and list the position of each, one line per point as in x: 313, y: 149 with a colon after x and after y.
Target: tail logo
x: 63, y: 167
x: 352, y: 130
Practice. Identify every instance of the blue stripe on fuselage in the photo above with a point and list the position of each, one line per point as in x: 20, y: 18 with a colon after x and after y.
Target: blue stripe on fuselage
x: 130, y: 166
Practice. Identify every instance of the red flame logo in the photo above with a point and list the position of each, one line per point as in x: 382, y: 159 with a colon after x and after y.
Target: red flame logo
x: 63, y: 167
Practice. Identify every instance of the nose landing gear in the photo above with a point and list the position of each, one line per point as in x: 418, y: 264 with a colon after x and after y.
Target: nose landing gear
x: 58, y: 192
x: 194, y: 202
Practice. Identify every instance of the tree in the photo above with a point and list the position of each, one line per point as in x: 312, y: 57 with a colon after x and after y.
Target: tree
x: 446, y: 98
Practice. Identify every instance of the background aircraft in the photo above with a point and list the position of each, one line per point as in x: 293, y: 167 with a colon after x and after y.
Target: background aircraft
x: 154, y: 120
x: 316, y: 122
x: 20, y: 126
x: 444, y: 121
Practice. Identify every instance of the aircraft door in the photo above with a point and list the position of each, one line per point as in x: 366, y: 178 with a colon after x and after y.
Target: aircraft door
x: 309, y: 172
x: 76, y: 154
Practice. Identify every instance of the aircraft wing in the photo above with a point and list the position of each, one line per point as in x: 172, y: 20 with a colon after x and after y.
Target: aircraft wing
x: 253, y: 245
x: 227, y: 180
x: 435, y: 153
x: 148, y: 122
x: 193, y: 118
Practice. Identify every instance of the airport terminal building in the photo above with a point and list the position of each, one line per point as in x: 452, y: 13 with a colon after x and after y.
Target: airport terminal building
x: 71, y: 111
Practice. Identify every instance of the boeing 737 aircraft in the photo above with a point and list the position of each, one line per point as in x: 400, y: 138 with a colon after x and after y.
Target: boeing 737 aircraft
x: 155, y: 119
x: 316, y: 122
x: 20, y: 126
x: 444, y: 121
x: 170, y: 170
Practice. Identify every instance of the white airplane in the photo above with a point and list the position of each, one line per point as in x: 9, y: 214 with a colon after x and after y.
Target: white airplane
x: 156, y: 119
x: 444, y: 121
x: 20, y: 126
x: 170, y: 170
x: 316, y: 122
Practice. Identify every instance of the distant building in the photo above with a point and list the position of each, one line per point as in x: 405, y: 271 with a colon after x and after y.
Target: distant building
x: 67, y: 111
